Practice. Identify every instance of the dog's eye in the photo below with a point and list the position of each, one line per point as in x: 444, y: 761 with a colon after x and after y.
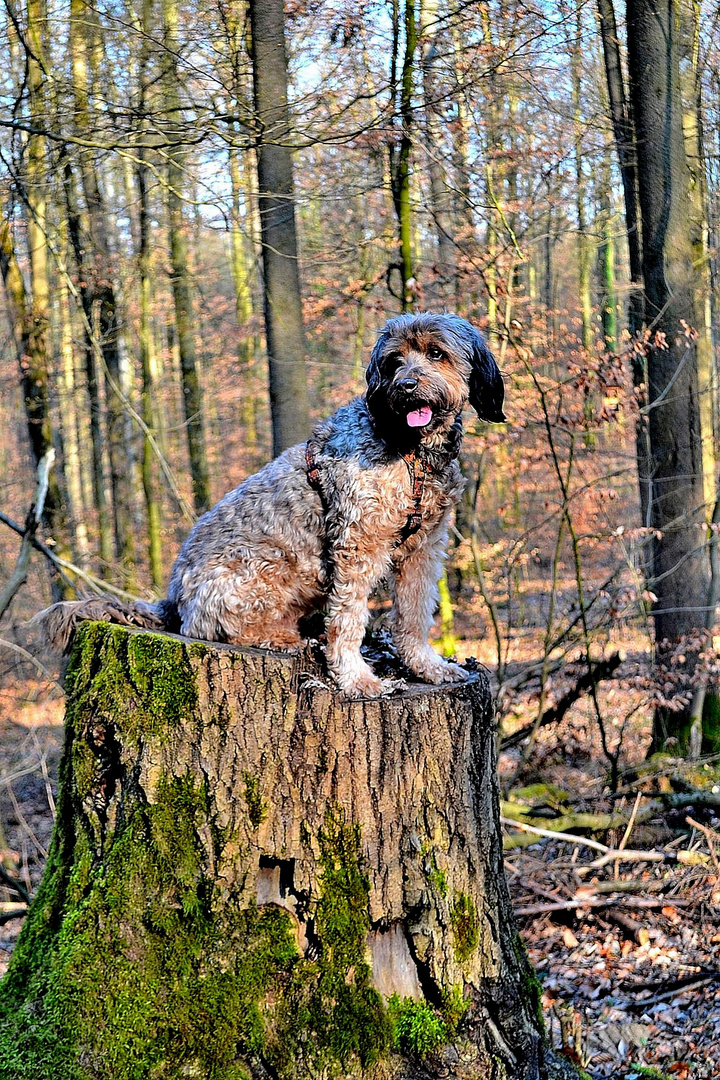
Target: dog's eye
x: 434, y: 353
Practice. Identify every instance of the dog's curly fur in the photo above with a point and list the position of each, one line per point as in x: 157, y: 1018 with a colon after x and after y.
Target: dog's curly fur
x: 275, y: 548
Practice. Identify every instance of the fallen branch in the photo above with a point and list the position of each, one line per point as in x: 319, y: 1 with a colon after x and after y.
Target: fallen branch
x: 670, y: 987
x: 632, y: 928
x: 601, y: 670
x: 687, y: 858
x: 642, y: 902
x: 11, y: 911
x: 557, y: 834
x: 709, y: 835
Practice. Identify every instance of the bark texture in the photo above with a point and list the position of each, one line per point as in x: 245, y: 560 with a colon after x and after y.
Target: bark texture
x: 282, y: 293
x: 676, y: 504
x: 252, y: 878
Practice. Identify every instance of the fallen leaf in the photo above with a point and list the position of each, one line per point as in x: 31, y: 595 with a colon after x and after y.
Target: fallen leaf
x: 571, y: 942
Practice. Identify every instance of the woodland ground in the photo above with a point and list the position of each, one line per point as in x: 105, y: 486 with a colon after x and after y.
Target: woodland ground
x: 630, y: 990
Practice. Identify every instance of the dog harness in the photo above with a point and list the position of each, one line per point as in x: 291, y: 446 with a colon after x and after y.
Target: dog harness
x: 415, y: 466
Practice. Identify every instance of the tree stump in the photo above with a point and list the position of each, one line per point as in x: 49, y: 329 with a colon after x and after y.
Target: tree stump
x: 251, y: 877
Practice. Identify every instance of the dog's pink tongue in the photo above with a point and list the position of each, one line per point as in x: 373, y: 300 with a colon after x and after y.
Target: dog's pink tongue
x: 419, y: 417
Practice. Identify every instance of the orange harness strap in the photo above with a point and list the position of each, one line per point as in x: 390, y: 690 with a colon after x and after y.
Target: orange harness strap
x: 417, y: 471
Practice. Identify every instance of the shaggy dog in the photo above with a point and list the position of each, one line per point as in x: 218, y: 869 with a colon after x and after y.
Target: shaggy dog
x: 368, y: 497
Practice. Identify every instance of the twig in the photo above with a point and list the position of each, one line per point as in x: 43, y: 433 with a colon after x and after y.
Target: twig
x: 632, y: 927
x: 568, y: 837
x: 14, y: 883
x: 642, y: 902
x: 95, y: 584
x: 23, y: 821
x: 46, y: 775
x: 5, y: 644
x: 629, y: 829
x: 687, y: 858
x: 20, y: 572
x: 708, y: 834
x: 690, y: 982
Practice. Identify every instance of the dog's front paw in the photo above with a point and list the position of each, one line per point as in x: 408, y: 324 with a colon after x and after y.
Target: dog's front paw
x: 366, y: 686
x: 442, y: 671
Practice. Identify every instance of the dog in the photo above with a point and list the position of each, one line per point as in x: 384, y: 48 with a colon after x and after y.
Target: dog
x: 368, y: 497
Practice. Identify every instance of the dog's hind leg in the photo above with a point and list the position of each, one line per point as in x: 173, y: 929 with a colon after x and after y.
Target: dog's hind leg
x: 255, y: 604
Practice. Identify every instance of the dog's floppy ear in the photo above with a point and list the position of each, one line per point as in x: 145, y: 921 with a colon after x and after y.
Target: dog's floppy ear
x: 487, y: 389
x: 373, y: 374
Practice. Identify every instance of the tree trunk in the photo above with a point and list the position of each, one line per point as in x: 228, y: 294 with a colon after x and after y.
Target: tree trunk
x: 691, y: 92
x: 606, y: 256
x: 77, y: 233
x: 680, y: 561
x: 251, y: 877
x: 180, y: 271
x: 150, y: 409
x: 624, y: 134
x: 400, y: 161
x: 85, y: 48
x: 440, y: 194
x: 283, y: 302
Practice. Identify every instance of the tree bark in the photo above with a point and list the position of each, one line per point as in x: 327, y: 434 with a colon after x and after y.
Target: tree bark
x: 179, y: 262
x: 680, y: 560
x: 283, y: 301
x: 251, y: 877
x: 624, y: 134
x: 98, y: 264
x: 150, y: 480
x: 440, y: 194
x: 400, y: 161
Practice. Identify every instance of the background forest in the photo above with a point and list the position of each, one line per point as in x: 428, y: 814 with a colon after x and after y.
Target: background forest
x: 201, y: 233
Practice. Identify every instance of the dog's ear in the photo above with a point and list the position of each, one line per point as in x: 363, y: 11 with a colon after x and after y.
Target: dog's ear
x: 373, y: 374
x: 487, y: 389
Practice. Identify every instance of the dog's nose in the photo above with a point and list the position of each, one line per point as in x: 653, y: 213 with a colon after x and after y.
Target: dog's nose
x: 408, y: 385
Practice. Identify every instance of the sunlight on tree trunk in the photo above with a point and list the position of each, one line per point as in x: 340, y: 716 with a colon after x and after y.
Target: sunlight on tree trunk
x: 283, y: 305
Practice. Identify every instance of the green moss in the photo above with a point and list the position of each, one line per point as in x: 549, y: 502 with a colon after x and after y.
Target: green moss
x: 465, y: 927
x: 436, y: 876
x: 648, y: 1071
x: 85, y: 769
x: 355, y: 1020
x: 145, y: 974
x: 417, y: 1028
x: 149, y: 674
x: 257, y: 807
x: 540, y: 794
x: 454, y: 1006
x: 530, y: 986
x: 130, y: 965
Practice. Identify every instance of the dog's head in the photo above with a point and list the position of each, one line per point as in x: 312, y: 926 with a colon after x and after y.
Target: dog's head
x: 423, y: 371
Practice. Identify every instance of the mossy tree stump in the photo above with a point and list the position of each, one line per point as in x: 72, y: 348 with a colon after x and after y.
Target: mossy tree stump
x: 252, y: 878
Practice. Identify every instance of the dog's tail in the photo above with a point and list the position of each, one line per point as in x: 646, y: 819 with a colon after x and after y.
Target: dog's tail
x: 58, y: 624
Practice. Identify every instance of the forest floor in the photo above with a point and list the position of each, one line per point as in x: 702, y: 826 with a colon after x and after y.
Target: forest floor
x: 628, y: 954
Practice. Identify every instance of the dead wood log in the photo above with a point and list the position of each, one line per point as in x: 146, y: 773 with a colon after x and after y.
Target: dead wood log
x: 253, y: 878
x: 601, y: 670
